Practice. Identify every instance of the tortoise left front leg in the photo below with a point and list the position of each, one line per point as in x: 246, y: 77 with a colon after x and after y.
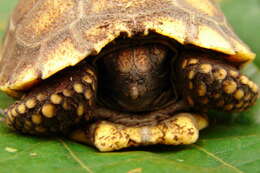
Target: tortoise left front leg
x: 57, y: 104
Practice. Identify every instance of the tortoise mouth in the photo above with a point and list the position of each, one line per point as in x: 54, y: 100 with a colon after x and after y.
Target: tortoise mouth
x: 140, y: 119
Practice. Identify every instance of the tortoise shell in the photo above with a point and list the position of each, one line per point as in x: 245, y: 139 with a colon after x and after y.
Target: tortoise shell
x: 46, y: 36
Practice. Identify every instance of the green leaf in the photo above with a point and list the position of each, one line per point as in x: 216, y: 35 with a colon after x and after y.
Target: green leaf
x: 230, y: 144
x: 244, y: 15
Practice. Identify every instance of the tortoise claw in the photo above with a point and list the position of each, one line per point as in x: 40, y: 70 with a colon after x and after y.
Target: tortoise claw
x: 56, y: 105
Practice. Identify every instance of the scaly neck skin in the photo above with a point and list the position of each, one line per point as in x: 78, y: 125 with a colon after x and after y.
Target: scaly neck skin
x: 135, y: 79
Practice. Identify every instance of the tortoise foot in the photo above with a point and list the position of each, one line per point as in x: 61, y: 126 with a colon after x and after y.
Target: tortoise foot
x: 182, y: 128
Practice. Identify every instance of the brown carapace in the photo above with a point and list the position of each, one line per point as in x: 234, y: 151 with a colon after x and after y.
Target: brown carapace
x: 121, y: 73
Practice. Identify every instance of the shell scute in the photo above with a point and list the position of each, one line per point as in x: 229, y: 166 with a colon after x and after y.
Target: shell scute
x: 22, y: 8
x: 59, y: 52
x: 46, y: 18
x: 61, y: 33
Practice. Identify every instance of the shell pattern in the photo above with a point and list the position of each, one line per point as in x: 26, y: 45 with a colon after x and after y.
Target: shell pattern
x: 46, y: 36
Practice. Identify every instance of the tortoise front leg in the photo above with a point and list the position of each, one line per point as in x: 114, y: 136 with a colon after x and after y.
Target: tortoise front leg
x: 207, y: 81
x: 182, y: 128
x: 55, y: 105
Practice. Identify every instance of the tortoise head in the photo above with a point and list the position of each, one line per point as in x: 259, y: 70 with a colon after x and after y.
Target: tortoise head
x: 136, y: 79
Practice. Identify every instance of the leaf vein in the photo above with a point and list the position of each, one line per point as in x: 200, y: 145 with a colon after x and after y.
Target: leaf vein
x: 217, y: 158
x: 75, y: 157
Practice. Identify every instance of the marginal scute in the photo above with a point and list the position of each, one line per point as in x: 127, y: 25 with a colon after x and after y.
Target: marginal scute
x: 170, y: 27
x: 212, y: 39
x: 59, y: 53
x: 243, y: 51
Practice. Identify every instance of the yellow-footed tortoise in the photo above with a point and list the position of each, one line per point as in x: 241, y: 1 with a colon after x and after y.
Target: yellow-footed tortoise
x: 121, y: 73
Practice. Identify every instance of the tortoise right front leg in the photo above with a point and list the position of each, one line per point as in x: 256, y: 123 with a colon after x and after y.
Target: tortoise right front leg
x: 57, y: 104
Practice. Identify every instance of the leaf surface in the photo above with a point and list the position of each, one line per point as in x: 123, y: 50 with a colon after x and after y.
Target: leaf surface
x: 230, y: 144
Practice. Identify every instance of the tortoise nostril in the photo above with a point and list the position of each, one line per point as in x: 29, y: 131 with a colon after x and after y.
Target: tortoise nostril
x: 137, y: 91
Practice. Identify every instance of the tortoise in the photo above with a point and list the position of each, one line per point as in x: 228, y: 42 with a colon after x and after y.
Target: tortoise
x: 122, y: 73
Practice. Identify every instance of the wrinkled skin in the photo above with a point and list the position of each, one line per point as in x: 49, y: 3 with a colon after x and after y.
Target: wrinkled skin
x: 137, y: 79
x: 139, y: 95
